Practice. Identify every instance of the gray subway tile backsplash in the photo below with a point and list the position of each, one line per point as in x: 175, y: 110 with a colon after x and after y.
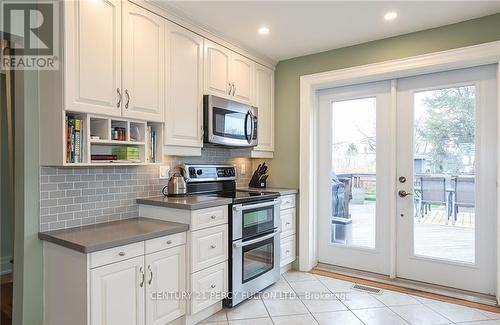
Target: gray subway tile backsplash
x: 77, y: 196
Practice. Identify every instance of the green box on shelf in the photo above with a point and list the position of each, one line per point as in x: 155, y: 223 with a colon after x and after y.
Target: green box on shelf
x: 126, y: 153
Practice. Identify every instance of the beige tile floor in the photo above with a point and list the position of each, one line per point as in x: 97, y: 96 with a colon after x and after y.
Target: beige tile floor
x: 308, y: 299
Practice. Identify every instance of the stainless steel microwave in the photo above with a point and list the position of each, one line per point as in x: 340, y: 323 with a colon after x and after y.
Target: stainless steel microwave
x: 229, y: 123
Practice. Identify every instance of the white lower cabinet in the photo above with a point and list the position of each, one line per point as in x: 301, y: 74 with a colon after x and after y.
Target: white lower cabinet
x: 124, y: 288
x: 166, y: 274
x: 117, y: 293
x: 207, y: 254
x: 288, y: 249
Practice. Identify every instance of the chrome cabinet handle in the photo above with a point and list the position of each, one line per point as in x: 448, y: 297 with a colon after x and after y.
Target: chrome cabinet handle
x: 403, y: 193
x: 121, y: 253
x: 128, y: 98
x: 213, y: 286
x: 119, y: 98
x: 143, y: 277
x: 213, y: 246
x: 169, y: 242
x: 213, y: 217
x: 287, y: 223
x: 234, y: 89
x: 230, y: 88
x: 151, y: 275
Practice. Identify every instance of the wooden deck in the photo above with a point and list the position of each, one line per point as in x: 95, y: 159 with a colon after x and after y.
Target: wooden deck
x: 435, y: 236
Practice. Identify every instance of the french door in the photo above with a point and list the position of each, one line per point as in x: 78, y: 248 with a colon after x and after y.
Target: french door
x: 447, y: 140
x: 413, y: 178
x: 355, y: 143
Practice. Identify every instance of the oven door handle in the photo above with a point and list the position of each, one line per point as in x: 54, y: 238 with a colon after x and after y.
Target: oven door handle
x: 255, y: 206
x: 241, y: 243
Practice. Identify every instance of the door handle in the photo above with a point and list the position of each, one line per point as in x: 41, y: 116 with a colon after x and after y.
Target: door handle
x: 128, y: 98
x: 119, y: 98
x: 151, y: 274
x: 403, y: 193
x: 230, y: 88
x: 141, y: 270
x: 234, y: 89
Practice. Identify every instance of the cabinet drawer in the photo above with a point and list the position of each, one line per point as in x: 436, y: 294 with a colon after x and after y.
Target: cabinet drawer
x: 208, y: 247
x: 207, y: 286
x: 157, y: 244
x: 287, y: 223
x: 287, y: 250
x: 116, y: 254
x: 210, y: 217
x: 288, y: 202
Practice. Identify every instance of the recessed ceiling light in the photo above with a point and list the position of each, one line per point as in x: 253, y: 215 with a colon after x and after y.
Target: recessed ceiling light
x: 391, y: 15
x: 264, y: 30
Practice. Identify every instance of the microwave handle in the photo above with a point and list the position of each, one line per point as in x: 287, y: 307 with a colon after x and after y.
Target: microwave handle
x: 248, y: 137
x: 240, y: 243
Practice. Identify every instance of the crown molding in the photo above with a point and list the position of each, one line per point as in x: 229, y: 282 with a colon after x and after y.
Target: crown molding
x: 175, y: 16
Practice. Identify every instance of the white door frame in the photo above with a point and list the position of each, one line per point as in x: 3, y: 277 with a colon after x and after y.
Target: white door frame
x: 487, y: 53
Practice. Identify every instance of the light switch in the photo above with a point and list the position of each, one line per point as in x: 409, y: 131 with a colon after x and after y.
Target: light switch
x: 164, y: 170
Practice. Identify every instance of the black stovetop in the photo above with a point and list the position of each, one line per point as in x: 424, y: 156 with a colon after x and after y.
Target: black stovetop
x: 246, y: 196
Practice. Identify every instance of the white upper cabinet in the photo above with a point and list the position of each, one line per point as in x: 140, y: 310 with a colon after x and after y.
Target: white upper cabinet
x: 217, y: 70
x: 242, y: 71
x: 166, y: 272
x: 184, y: 91
x: 264, y: 100
x: 228, y: 74
x: 143, y: 63
x: 92, y: 56
x: 117, y: 293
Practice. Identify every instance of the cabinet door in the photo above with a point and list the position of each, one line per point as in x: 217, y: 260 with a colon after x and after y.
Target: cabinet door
x: 143, y: 63
x: 264, y: 100
x: 92, y: 53
x: 166, y: 274
x: 117, y: 293
x: 242, y: 70
x: 217, y: 78
x: 184, y: 95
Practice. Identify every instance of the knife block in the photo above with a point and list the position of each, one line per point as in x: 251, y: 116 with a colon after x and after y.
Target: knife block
x: 255, y: 182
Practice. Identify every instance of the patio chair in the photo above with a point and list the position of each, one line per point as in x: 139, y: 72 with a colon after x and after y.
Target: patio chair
x: 465, y: 191
x: 433, y: 191
x: 340, y: 196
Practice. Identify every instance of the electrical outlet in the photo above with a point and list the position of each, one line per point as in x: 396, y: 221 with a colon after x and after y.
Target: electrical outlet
x: 164, y: 170
x: 243, y: 169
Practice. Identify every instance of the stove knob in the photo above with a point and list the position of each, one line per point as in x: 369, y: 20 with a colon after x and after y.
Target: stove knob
x: 199, y: 171
x: 192, y: 172
x: 226, y: 172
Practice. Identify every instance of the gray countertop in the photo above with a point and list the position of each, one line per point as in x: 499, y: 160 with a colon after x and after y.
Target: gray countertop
x: 282, y: 191
x: 193, y: 202
x: 88, y: 239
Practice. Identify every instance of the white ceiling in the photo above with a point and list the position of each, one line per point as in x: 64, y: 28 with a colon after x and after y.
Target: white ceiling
x: 304, y: 27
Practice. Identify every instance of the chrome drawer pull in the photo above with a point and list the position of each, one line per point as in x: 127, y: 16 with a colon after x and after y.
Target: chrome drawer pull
x: 213, y: 246
x: 169, y: 242
x: 213, y: 217
x: 143, y: 277
x: 121, y: 253
x: 213, y: 286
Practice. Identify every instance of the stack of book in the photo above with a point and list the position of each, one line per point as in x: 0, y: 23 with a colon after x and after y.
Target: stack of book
x: 73, y: 140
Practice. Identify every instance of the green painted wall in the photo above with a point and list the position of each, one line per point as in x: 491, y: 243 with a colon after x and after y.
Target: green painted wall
x: 284, y: 168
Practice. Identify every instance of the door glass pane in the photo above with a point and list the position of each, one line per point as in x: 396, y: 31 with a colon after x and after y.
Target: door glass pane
x: 257, y: 259
x: 354, y: 172
x: 444, y: 173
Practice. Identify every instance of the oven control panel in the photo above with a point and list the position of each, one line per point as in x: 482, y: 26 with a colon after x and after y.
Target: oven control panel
x: 204, y: 173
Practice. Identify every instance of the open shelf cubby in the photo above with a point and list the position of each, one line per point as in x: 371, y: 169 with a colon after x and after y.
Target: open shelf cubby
x: 111, y: 141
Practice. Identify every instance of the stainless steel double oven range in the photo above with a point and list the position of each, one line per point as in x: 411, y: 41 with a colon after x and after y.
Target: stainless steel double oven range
x: 254, y: 228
